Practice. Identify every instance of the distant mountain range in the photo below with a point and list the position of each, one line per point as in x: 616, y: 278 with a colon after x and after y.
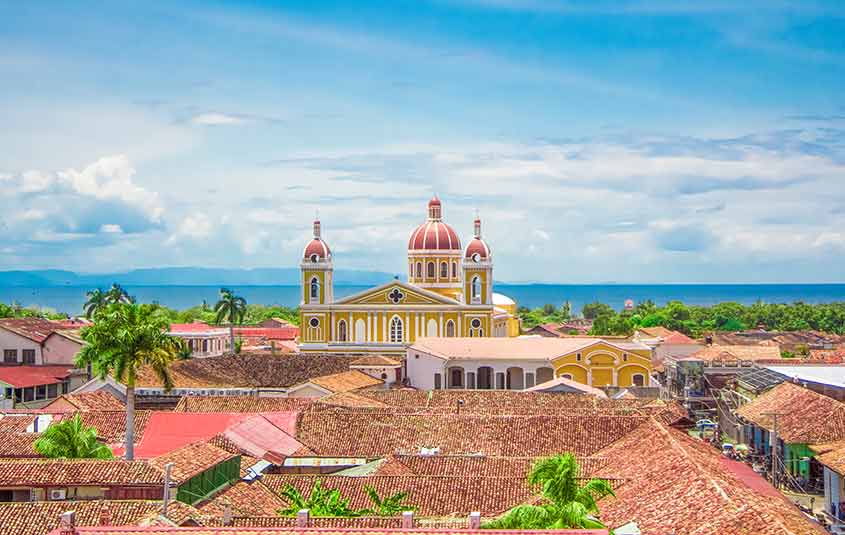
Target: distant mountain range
x: 182, y: 276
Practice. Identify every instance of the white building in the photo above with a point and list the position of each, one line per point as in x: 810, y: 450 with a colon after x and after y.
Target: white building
x: 203, y: 339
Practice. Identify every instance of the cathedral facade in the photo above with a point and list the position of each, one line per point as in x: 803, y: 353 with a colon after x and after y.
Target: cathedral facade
x: 449, y: 293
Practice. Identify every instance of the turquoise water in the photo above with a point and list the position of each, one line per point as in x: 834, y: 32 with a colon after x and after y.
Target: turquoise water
x: 70, y: 298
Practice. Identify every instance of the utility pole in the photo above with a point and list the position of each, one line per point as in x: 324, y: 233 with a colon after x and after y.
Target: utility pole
x: 774, y: 443
x: 167, y: 468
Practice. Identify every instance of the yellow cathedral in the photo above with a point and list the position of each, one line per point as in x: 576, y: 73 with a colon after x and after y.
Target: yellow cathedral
x: 449, y: 293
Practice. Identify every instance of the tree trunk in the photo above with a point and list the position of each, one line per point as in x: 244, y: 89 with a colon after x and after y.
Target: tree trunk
x: 130, y: 421
x: 232, y: 338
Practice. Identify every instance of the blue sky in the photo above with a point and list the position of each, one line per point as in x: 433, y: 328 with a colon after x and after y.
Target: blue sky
x: 640, y: 141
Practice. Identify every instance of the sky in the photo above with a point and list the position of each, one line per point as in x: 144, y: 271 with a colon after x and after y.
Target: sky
x: 643, y: 141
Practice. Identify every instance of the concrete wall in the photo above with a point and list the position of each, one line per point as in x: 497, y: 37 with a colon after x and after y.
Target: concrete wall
x: 10, y: 340
x: 59, y: 350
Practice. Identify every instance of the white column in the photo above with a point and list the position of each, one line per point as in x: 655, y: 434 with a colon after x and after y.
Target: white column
x: 384, y: 333
x: 406, y: 332
x: 440, y: 330
x: 368, y: 336
x: 460, y: 332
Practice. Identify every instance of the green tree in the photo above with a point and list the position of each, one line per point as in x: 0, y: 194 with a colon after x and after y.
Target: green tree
x: 231, y: 308
x: 565, y: 502
x: 388, y: 506
x: 123, y: 338
x: 117, y: 294
x: 320, y: 502
x: 96, y: 299
x: 596, y: 309
x: 71, y: 439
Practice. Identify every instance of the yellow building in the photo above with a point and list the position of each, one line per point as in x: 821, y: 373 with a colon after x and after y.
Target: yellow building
x: 449, y: 293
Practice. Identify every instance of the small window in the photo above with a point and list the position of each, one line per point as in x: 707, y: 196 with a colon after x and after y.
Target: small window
x: 10, y: 356
x: 65, y: 387
x: 314, y: 322
x: 41, y: 392
x: 476, y: 323
x: 419, y: 270
x: 624, y: 357
x: 638, y: 379
x: 444, y: 270
x: 29, y: 393
x: 384, y: 377
x: 578, y: 357
x: 52, y: 391
x: 341, y: 331
x: 315, y: 288
x: 567, y: 376
x: 476, y: 290
x: 430, y: 270
x: 454, y: 270
x: 450, y: 328
x: 396, y: 329
x: 28, y: 356
x: 315, y: 258
x: 437, y: 381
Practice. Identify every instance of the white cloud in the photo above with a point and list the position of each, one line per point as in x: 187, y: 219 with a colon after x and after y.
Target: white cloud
x: 111, y: 229
x: 196, y: 226
x: 542, y: 234
x: 217, y: 119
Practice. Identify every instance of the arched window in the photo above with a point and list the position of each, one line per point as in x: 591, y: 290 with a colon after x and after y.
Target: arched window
x: 638, y: 379
x: 419, y: 270
x: 567, y: 376
x: 476, y: 290
x: 396, y: 329
x: 454, y: 270
x: 450, y: 328
x: 315, y: 288
x: 430, y: 270
x: 444, y: 270
x: 341, y: 331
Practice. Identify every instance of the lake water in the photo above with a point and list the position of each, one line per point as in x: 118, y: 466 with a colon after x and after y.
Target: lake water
x: 70, y: 298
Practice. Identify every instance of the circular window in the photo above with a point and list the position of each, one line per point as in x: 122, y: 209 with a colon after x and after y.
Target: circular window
x: 314, y: 257
x: 476, y: 257
x: 384, y: 377
x: 476, y: 323
x: 314, y: 322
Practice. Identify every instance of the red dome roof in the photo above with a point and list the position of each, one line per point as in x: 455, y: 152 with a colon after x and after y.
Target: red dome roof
x: 479, y: 247
x: 316, y: 247
x: 434, y: 235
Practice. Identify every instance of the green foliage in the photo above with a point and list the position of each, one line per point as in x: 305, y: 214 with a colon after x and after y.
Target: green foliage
x: 71, y: 439
x: 698, y: 320
x: 566, y: 503
x: 98, y: 299
x: 329, y: 502
x: 388, y: 506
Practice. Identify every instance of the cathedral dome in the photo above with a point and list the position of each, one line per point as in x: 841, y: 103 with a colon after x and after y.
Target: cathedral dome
x: 434, y: 234
x: 477, y: 249
x: 317, y: 250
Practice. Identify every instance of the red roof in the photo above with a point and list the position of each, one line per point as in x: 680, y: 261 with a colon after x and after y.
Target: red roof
x: 268, y: 432
x: 35, y: 329
x: 434, y: 235
x: 316, y: 247
x: 479, y: 247
x: 195, y: 327
x: 269, y: 333
x: 239, y: 530
x: 24, y: 376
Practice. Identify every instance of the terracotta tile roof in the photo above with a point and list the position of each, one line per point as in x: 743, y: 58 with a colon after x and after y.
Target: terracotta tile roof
x: 520, y: 348
x: 240, y: 404
x: 377, y: 361
x: 471, y: 465
x: 38, y: 518
x: 436, y: 496
x: 266, y: 334
x: 249, y: 369
x: 191, y: 460
x: 439, y: 528
x: 15, y: 423
x: 340, y: 432
x: 575, y: 385
x: 500, y: 402
x: 35, y: 329
x: 737, y: 352
x: 674, y: 483
x: 805, y: 417
x: 82, y: 472
x: 345, y: 381
x: 657, y: 332
x: 831, y: 455
x: 246, y: 499
x: 24, y: 376
x: 18, y: 445
x: 111, y: 425
x: 351, y: 400
x: 101, y: 400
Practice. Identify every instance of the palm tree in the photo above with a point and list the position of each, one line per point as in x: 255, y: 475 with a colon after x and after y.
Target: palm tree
x: 71, y: 439
x: 117, y: 294
x: 96, y: 300
x: 231, y: 308
x: 123, y: 338
x: 389, y: 506
x: 566, y: 503
x: 320, y: 502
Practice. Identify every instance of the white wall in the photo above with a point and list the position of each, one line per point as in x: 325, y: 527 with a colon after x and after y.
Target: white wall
x: 59, y: 350
x: 378, y: 372
x: 421, y: 367
x: 10, y: 340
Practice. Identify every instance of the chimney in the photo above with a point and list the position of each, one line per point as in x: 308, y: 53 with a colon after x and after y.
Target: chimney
x: 475, y: 520
x: 303, y: 518
x: 407, y: 520
x: 67, y: 523
x: 105, y: 515
x: 227, y: 514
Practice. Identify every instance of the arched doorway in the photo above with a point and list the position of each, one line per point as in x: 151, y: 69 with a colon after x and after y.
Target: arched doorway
x: 485, y: 378
x: 456, y: 377
x: 431, y: 330
x: 515, y: 379
x: 545, y: 374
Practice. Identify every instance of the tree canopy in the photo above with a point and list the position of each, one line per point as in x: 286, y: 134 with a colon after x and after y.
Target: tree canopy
x: 71, y: 439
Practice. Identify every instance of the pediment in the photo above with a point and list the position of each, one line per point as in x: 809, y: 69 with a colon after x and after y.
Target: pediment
x: 396, y: 293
